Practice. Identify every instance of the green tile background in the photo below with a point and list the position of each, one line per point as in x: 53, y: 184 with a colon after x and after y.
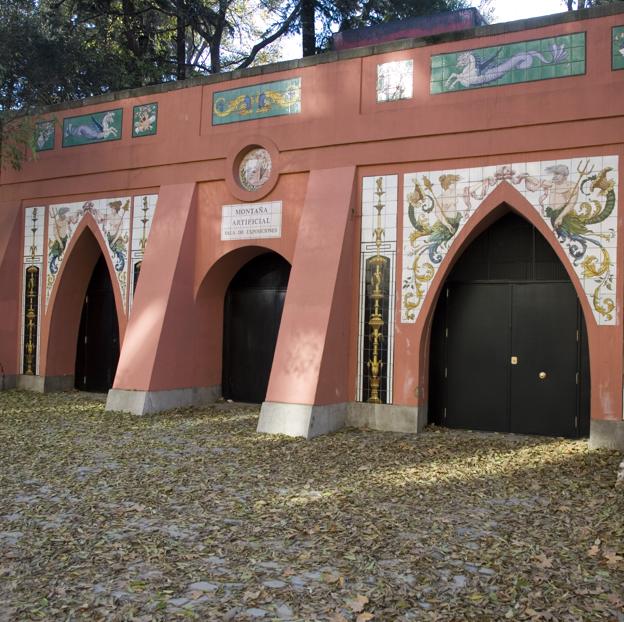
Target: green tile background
x: 618, y: 42
x: 443, y: 65
x: 88, y: 120
x: 49, y: 141
x: 136, y: 111
x: 243, y: 102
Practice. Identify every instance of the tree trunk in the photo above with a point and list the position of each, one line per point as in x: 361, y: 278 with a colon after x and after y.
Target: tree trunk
x: 308, y: 38
x: 215, y: 51
x: 180, y: 41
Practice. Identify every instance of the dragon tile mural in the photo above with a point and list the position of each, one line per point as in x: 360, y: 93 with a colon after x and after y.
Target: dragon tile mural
x: 258, y: 101
x: 577, y: 199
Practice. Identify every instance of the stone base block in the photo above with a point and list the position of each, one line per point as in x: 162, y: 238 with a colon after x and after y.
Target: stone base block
x: 45, y: 384
x: 301, y: 419
x: 606, y: 434
x: 145, y: 402
x: 387, y: 417
x: 8, y: 382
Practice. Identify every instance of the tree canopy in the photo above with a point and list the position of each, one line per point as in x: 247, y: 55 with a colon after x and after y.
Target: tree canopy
x: 58, y: 50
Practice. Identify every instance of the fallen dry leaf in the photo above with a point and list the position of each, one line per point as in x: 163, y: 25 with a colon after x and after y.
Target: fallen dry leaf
x: 358, y: 603
x: 193, y: 515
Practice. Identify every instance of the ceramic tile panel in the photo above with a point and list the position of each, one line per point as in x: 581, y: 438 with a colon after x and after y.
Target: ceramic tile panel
x: 258, y: 101
x: 251, y: 221
x: 44, y: 135
x: 577, y: 199
x: 96, y: 127
x: 32, y: 291
x: 142, y: 217
x: 144, y: 120
x: 526, y: 61
x: 395, y: 80
x: 617, y: 48
x: 378, y: 248
x: 113, y: 219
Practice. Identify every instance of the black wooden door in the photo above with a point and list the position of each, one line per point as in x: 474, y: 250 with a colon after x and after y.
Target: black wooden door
x: 98, y: 338
x: 476, y: 370
x: 544, y: 373
x: 252, y: 313
x: 512, y: 357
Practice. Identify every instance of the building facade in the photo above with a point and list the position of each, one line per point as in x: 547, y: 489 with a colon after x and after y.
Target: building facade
x: 422, y: 231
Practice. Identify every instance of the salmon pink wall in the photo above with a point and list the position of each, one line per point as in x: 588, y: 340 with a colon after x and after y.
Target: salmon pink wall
x: 10, y: 238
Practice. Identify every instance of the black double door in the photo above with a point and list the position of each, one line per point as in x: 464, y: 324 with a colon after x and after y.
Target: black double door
x: 97, y: 352
x: 508, y: 343
x: 253, y: 309
x: 512, y: 358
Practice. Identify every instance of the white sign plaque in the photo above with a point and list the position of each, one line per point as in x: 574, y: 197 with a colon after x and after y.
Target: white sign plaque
x: 251, y: 221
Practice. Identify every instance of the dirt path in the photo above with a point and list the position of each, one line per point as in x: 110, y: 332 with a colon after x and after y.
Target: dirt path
x: 193, y: 515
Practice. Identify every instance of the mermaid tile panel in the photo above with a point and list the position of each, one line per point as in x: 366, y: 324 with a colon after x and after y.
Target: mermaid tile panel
x: 526, y: 61
x: 618, y: 48
x: 577, y: 199
x: 113, y: 219
x: 96, y: 127
x: 257, y: 101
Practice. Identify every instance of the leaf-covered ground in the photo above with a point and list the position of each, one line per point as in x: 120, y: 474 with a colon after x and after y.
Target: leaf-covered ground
x: 194, y: 515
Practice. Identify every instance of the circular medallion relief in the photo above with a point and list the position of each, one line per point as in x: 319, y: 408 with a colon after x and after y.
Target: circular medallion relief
x: 255, y: 169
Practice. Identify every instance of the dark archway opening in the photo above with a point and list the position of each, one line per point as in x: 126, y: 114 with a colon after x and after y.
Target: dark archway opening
x: 97, y: 352
x: 509, y: 348
x: 252, y: 313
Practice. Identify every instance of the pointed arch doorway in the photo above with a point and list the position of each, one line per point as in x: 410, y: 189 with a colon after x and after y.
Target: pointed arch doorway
x: 97, y: 352
x: 252, y: 313
x: 508, y: 343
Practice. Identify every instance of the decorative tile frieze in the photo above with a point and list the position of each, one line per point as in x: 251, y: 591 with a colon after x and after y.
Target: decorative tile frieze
x: 577, y: 199
x: 44, y: 135
x: 144, y: 120
x: 526, y: 61
x: 97, y: 127
x: 378, y: 246
x: 258, y: 101
x: 142, y: 217
x: 113, y: 219
x: 617, y: 48
x: 32, y: 274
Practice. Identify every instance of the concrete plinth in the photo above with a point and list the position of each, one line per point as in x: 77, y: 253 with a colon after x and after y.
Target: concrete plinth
x: 606, y: 434
x: 145, y: 402
x: 45, y: 384
x: 301, y: 419
x: 8, y: 382
x: 387, y: 417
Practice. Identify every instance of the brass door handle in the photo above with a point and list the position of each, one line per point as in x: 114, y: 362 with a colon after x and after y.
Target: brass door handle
x: 542, y: 375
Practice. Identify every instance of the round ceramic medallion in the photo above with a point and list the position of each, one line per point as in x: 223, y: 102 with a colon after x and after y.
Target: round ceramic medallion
x: 255, y: 169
